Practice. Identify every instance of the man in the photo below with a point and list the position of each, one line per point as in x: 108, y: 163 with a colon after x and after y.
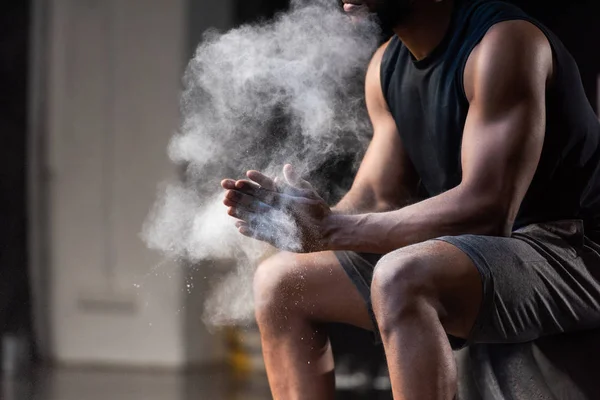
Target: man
x: 466, y: 219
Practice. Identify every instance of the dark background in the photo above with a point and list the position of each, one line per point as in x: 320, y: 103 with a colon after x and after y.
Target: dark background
x: 576, y: 23
x: 15, y: 310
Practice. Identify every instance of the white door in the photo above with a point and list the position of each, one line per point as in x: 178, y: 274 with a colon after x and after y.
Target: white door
x: 102, y: 124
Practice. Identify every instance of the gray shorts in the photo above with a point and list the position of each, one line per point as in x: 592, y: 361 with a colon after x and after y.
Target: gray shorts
x: 544, y: 280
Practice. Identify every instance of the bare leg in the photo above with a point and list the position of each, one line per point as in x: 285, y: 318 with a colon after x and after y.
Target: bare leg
x: 420, y: 293
x: 294, y: 294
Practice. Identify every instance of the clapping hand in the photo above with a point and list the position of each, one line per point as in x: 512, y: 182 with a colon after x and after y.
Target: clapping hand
x: 287, y: 213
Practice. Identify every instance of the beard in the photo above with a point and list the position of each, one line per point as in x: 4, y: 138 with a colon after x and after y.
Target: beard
x: 391, y: 13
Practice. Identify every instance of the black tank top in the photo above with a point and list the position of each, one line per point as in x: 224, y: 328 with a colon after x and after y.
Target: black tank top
x: 427, y: 101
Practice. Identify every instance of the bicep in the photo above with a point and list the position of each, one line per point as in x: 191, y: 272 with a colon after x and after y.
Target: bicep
x: 500, y: 157
x: 504, y: 131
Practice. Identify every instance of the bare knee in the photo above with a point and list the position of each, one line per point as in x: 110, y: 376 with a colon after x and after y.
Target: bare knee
x: 278, y: 285
x: 403, y: 284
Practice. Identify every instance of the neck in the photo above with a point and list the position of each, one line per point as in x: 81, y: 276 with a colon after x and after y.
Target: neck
x: 426, y: 27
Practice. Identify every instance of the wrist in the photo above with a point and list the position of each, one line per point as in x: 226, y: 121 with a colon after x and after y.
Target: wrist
x: 338, y: 230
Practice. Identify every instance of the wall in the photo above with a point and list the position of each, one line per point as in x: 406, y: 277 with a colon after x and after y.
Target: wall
x: 110, y: 106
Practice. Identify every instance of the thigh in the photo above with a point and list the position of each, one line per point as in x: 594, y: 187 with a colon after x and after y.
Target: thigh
x: 314, y: 284
x: 539, y: 282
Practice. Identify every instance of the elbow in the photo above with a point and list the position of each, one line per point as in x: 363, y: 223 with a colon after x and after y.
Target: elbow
x: 491, y: 210
x: 501, y: 228
x: 496, y: 219
x: 394, y: 202
x: 487, y: 214
x: 385, y: 206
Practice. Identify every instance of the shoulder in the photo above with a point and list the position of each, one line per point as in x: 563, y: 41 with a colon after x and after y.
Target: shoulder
x: 374, y: 71
x: 511, y: 52
x: 514, y: 38
x: 377, y: 58
x: 373, y: 85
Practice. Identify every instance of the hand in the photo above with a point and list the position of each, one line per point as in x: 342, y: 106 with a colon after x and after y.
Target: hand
x: 288, y: 214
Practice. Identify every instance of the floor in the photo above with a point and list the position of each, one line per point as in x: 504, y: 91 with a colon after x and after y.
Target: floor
x: 69, y: 384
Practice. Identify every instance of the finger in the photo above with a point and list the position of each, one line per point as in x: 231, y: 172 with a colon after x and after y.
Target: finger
x: 246, y: 186
x: 261, y: 231
x: 262, y: 180
x: 240, y: 213
x: 269, y: 197
x: 251, y: 187
x: 272, y: 238
x: 286, y: 188
x: 273, y: 199
x: 260, y: 235
x: 228, y: 184
x: 234, y: 198
x: 294, y: 179
x: 258, y: 222
x: 279, y: 183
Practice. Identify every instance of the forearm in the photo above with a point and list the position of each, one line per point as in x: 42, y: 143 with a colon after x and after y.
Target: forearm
x: 452, y: 213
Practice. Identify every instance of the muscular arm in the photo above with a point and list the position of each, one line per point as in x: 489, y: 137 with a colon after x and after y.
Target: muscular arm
x: 386, y: 179
x: 505, y: 82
